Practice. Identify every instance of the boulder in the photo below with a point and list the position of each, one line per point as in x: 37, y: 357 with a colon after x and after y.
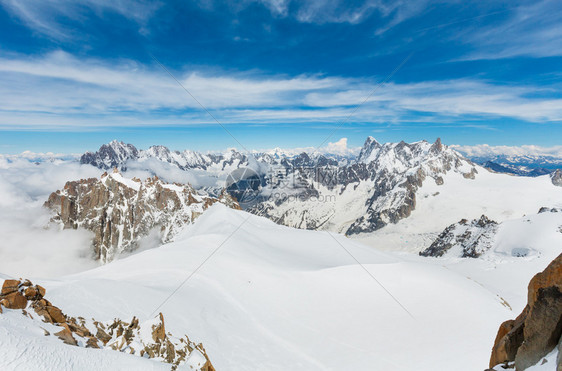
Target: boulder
x: 56, y: 314
x: 14, y: 300
x: 30, y: 292
x: 41, y: 290
x: 10, y: 286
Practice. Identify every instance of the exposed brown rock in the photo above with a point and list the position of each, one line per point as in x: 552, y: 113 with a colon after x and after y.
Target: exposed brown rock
x: 66, y: 335
x: 31, y: 292
x: 103, y: 336
x: 159, y: 331
x: 508, y: 340
x: 77, y: 328
x: 56, y: 314
x: 14, y: 300
x: 41, y: 290
x: 92, y: 342
x: 10, y: 286
x: 538, y: 329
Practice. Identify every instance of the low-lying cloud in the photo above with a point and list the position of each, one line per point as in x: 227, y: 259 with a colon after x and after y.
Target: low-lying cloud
x: 27, y: 247
x: 485, y: 150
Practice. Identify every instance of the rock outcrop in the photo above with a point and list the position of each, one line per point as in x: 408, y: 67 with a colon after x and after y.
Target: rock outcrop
x: 556, y: 178
x: 121, y: 211
x: 523, y: 342
x: 464, y: 239
x: 147, y: 339
x: 550, y: 210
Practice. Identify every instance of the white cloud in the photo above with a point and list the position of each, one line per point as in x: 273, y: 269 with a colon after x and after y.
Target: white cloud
x: 532, y: 29
x: 48, y: 16
x: 26, y: 248
x: 336, y: 148
x: 58, y: 90
x: 340, y: 148
x: 485, y: 150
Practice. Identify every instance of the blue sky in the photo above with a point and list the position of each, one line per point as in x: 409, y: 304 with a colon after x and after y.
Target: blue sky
x: 278, y: 73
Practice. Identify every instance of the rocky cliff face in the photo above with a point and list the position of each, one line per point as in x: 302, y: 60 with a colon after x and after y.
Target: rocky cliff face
x: 121, y: 211
x: 523, y: 342
x: 464, y: 239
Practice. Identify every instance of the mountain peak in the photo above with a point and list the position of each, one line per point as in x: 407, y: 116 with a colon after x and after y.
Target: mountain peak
x: 370, y: 141
x: 437, y: 146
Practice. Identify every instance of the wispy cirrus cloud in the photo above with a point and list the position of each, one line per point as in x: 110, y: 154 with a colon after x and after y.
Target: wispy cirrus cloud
x: 60, y: 90
x: 51, y: 17
x: 532, y: 29
x: 54, y: 18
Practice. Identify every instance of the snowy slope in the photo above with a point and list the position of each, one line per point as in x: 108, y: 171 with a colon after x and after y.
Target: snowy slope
x: 275, y: 298
x: 499, y: 196
x: 501, y: 269
x: 25, y: 347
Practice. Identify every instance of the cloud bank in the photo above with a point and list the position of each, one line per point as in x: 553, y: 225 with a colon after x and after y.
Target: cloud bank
x: 485, y: 150
x: 27, y: 248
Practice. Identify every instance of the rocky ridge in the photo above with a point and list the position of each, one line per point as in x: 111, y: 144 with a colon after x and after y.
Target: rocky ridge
x: 464, y: 239
x: 144, y: 339
x: 121, y: 211
x: 524, y: 341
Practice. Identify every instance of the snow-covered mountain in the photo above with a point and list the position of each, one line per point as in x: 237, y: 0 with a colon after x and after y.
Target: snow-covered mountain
x: 379, y: 188
x: 383, y: 185
x: 110, y: 155
x: 121, y: 211
x: 311, y: 190
x: 119, y: 154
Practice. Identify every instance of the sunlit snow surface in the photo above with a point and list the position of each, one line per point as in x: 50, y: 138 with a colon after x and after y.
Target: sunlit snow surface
x: 275, y: 298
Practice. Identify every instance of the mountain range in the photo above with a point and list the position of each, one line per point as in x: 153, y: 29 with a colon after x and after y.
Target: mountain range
x: 301, y: 190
